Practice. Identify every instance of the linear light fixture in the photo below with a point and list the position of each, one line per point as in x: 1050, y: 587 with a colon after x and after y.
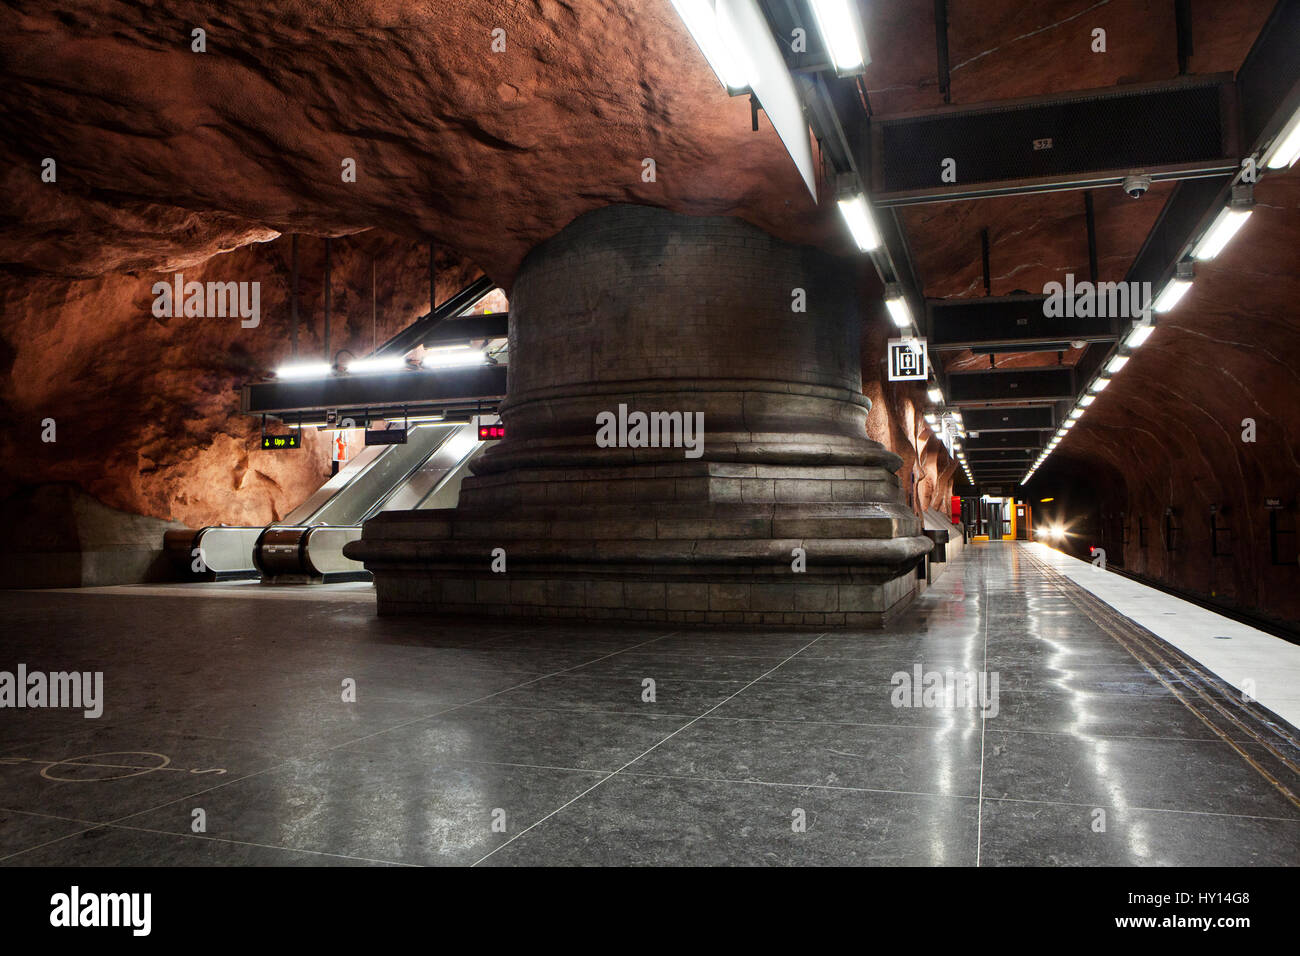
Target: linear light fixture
x: 1099, y: 384
x: 387, y: 363
x: 896, y: 303
x: 1176, y: 287
x: 1076, y: 414
x: 935, y: 395
x: 1087, y: 400
x: 1285, y: 149
x: 711, y: 35
x: 303, y: 370
x: 1171, y: 294
x: 1141, y: 332
x: 857, y: 215
x: 451, y: 359
x: 842, y: 34
x: 1230, y: 219
x: 1116, y: 363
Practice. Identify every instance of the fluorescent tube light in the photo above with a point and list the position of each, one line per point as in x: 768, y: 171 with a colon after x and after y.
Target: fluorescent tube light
x: 1087, y: 400
x: 1099, y: 384
x: 303, y: 370
x: 1221, y: 231
x: 1170, y: 295
x: 935, y: 395
x: 1140, y: 334
x: 1286, y: 145
x: 702, y: 20
x: 1117, y: 363
x: 841, y: 30
x: 857, y: 215
x: 451, y: 359
x: 896, y: 302
x: 388, y: 363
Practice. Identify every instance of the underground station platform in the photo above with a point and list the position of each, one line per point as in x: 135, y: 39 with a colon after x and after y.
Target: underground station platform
x: 1094, y: 700
x: 779, y: 435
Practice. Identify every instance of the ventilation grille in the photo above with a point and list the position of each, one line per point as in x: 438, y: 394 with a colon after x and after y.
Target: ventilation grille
x: 1108, y: 131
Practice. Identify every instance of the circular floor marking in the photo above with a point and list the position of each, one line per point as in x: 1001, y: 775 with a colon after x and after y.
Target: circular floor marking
x: 94, y: 768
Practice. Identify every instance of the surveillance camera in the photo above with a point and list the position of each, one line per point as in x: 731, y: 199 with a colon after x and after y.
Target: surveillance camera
x: 1136, y: 186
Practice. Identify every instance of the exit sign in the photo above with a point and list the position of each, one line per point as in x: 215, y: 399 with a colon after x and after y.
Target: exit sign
x: 277, y: 442
x: 491, y: 432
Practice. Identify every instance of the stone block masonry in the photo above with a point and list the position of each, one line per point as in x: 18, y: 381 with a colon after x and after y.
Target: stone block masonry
x: 789, y: 516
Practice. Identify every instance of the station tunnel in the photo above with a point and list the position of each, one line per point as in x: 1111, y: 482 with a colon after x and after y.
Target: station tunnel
x: 684, y: 407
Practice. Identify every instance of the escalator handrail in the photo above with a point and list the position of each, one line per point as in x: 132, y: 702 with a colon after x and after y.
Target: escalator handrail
x: 384, y: 498
x: 473, y: 450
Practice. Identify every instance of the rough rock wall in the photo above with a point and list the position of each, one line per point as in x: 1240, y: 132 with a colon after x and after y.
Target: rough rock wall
x: 897, y: 421
x: 145, y: 412
x: 1172, y: 424
x: 492, y: 150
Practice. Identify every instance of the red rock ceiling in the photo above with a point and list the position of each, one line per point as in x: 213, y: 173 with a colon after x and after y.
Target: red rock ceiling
x: 163, y: 151
x: 167, y: 156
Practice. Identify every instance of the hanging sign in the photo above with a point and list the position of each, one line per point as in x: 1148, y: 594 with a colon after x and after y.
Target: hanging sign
x: 908, y: 360
x: 279, y: 442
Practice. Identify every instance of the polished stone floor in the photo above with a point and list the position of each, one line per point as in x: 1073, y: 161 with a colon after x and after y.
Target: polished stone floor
x: 510, y: 745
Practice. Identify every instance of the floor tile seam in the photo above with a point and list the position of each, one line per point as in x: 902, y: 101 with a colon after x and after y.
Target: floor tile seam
x: 109, y: 825
x: 316, y: 753
x: 599, y: 783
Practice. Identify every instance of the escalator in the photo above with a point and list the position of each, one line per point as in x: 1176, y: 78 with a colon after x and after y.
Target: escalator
x: 312, y: 549
x: 425, y: 471
x: 307, y: 545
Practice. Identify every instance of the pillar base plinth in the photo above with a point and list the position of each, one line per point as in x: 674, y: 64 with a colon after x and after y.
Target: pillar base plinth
x: 774, y: 509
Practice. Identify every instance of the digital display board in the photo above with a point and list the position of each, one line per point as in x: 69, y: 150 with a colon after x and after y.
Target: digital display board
x: 387, y: 436
x: 278, y: 442
x: 491, y: 432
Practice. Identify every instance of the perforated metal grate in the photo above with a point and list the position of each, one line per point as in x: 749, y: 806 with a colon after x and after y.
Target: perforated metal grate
x: 1086, y: 134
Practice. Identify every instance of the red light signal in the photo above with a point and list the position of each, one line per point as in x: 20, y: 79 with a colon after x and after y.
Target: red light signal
x: 491, y: 432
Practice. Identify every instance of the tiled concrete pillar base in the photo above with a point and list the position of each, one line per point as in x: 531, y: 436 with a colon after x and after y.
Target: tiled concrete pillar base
x: 785, y: 514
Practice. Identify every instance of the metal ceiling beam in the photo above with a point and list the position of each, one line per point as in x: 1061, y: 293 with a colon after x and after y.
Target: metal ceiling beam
x: 1179, y: 129
x: 1008, y: 321
x: 999, y: 454
x: 451, y: 386
x: 1011, y: 387
x: 1018, y: 441
x: 1036, y: 418
x: 941, y: 48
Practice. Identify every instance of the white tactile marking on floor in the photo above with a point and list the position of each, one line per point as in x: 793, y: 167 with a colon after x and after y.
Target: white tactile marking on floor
x: 1248, y: 654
